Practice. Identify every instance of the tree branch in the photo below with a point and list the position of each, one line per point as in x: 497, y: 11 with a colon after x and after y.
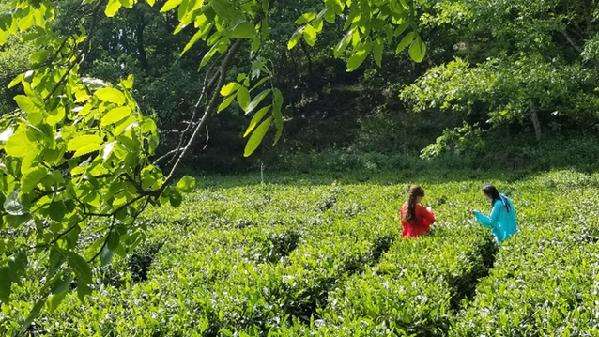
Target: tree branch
x: 207, y: 111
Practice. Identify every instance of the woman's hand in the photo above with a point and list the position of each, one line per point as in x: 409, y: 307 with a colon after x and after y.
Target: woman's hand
x: 429, y: 209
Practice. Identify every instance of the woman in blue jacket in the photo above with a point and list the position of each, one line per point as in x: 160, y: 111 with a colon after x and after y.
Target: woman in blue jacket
x: 502, y: 220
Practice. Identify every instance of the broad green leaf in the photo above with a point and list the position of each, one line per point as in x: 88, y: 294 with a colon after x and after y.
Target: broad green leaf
x: 84, y: 144
x: 115, y: 115
x: 19, y: 145
x: 197, y: 36
x: 170, y: 4
x: 256, y: 119
x: 32, y: 178
x: 225, y: 10
x: 260, y: 83
x: 294, y: 40
x: 151, y: 178
x: 56, y: 116
x: 309, y: 34
x: 80, y: 267
x: 4, y: 35
x: 225, y: 103
x: 16, y: 80
x: 106, y: 255
x: 82, y: 271
x: 200, y: 21
x: 256, y: 101
x: 112, y: 8
x: 356, y: 60
x: 175, y: 198
x: 151, y: 2
x: 342, y: 45
x: 417, y: 50
x: 244, y: 30
x: 257, y: 137
x: 405, y: 42
x: 186, y: 184
x: 216, y: 48
x: 128, y: 82
x: 33, y: 109
x: 5, y: 283
x: 229, y: 89
x: 243, y: 98
x: 109, y: 94
x: 305, y: 18
x: 57, y: 211
x: 128, y: 3
x: 59, y: 292
x: 11, y: 274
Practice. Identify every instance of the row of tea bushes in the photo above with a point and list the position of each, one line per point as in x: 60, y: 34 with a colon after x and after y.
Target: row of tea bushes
x: 413, y: 291
x: 546, y: 279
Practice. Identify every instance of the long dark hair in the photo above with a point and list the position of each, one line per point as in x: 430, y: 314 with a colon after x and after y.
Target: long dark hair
x: 492, y: 192
x: 413, y: 193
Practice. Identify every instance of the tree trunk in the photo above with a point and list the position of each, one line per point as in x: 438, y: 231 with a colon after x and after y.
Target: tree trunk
x: 536, y: 124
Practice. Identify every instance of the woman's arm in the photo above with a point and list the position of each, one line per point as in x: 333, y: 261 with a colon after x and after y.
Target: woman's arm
x: 491, y: 220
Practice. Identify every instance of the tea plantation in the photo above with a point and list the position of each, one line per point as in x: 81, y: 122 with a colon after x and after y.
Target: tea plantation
x: 307, y: 255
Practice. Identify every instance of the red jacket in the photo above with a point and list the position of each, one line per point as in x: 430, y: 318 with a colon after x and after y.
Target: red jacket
x: 420, y: 226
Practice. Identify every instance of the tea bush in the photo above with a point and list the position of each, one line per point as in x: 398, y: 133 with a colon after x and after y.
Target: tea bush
x: 308, y: 255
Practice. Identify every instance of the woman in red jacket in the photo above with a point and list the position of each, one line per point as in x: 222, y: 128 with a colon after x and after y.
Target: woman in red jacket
x: 415, y: 219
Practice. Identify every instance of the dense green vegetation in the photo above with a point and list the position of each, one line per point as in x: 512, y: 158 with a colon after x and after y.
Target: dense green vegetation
x: 105, y: 105
x: 245, y: 258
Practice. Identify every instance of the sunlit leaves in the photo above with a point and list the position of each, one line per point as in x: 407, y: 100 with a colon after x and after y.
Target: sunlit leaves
x: 250, y: 102
x: 243, y: 30
x: 355, y: 61
x: 170, y: 4
x: 19, y: 144
x: 25, y: 17
x: 32, y: 178
x: 257, y: 118
x: 112, y: 8
x: 417, y: 49
x: 405, y: 42
x: 366, y: 23
x: 309, y: 34
x: 63, y: 165
x: 110, y: 94
x: 256, y: 101
x: 115, y: 115
x: 186, y: 184
x: 225, y: 103
x: 84, y: 144
x: 257, y: 137
x: 229, y: 89
x: 11, y: 273
x: 243, y: 98
x: 82, y: 271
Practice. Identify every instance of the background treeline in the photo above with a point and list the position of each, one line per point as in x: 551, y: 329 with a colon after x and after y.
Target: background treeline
x: 503, y: 82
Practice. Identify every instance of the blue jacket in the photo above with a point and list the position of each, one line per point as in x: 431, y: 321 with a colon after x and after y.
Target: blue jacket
x: 502, y: 220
